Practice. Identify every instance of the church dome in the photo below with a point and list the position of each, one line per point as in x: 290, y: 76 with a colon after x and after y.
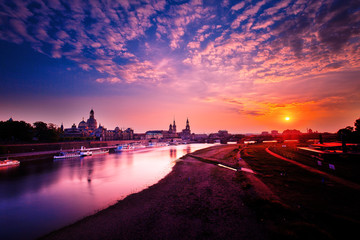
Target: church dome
x: 82, y: 124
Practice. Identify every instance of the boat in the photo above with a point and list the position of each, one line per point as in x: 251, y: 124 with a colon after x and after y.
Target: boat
x: 118, y: 148
x: 91, y: 151
x: 85, y: 153
x: 100, y: 152
x: 124, y: 148
x: 63, y: 155
x: 7, y: 163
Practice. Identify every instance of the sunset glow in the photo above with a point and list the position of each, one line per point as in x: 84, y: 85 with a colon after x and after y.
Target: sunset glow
x: 234, y: 65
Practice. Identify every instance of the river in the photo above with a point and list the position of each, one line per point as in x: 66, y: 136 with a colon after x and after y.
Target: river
x: 40, y: 196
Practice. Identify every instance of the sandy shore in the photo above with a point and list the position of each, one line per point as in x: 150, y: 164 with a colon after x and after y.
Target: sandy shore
x: 197, y: 200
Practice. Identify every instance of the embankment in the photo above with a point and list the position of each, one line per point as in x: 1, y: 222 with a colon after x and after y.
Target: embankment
x: 45, y: 150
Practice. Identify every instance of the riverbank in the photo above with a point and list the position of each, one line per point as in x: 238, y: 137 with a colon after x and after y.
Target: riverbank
x: 200, y: 200
x: 196, y: 200
x: 40, y: 151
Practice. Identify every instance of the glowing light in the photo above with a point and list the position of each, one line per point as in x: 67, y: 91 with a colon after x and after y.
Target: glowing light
x: 287, y: 118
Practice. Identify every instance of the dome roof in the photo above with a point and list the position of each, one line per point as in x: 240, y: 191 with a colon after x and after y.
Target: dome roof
x: 82, y: 124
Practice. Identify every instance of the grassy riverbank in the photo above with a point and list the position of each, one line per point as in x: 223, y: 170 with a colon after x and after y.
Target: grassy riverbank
x: 315, y: 202
x: 198, y: 200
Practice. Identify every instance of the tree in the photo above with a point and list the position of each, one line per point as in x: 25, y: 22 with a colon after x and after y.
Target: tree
x: 46, y: 132
x: 15, y: 131
x: 357, y: 125
x: 40, y: 130
x: 345, y: 131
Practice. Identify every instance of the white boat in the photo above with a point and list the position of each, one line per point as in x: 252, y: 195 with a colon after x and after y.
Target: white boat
x: 7, y: 163
x: 91, y: 151
x: 85, y: 153
x: 124, y: 148
x: 63, y: 155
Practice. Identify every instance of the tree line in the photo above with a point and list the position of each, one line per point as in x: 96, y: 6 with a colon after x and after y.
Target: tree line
x: 349, y: 133
x: 20, y: 131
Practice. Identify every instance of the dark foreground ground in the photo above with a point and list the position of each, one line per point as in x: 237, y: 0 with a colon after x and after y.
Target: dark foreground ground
x: 200, y: 200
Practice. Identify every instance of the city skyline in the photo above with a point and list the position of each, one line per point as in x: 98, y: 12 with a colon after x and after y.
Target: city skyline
x: 244, y: 66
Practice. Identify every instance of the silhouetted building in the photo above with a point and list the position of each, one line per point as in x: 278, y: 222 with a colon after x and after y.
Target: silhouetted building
x: 157, y: 134
x: 73, y: 132
x: 90, y: 130
x: 274, y: 133
x: 186, y: 133
x: 83, y: 125
x: 91, y: 122
x: 172, y: 131
x: 172, y: 128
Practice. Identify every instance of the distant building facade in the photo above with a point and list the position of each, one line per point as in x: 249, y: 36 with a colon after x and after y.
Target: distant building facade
x: 156, y: 134
x: 171, y: 134
x: 90, y: 130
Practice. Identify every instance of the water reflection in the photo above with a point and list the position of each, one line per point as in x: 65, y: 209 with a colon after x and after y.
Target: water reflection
x: 187, y: 150
x: 38, y: 197
x: 172, y: 152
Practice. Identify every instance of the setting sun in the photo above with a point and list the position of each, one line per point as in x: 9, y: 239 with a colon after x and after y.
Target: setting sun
x: 287, y: 118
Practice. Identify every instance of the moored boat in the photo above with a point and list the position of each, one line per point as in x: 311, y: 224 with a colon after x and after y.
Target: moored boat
x: 85, y: 153
x: 7, y: 163
x: 100, y: 152
x: 63, y: 155
x: 124, y: 148
x: 118, y: 148
x: 92, y: 151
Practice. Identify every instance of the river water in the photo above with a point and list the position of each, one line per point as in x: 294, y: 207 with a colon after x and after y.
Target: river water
x: 40, y: 196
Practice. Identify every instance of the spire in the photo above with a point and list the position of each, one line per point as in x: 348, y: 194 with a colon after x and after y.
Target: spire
x: 174, y: 126
x: 187, y: 124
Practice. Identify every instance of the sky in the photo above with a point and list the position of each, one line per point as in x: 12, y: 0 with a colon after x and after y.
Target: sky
x: 241, y: 66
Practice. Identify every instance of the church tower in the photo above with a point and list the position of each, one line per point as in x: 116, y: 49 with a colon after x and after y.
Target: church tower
x: 91, y: 122
x: 186, y: 133
x: 174, y: 127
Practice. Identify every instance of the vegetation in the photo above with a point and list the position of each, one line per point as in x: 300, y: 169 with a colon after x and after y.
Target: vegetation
x: 313, y: 206
x: 22, y: 132
x: 350, y: 134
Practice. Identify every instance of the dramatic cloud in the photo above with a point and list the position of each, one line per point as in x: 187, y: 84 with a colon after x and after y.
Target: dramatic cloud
x: 230, y: 52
